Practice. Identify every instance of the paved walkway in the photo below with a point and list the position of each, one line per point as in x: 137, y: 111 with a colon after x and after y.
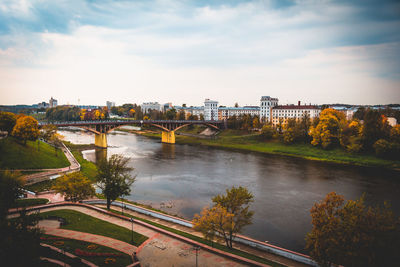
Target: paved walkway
x: 263, y: 254
x: 160, y: 249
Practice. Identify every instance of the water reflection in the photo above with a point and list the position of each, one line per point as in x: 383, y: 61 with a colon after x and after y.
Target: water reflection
x: 182, y: 179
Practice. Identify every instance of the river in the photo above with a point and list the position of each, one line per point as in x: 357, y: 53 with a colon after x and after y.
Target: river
x: 182, y: 179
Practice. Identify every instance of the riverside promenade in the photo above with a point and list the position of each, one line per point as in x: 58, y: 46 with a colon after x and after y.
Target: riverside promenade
x: 162, y: 248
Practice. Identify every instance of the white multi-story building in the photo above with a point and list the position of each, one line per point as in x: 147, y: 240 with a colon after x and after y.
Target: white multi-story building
x: 109, y: 105
x: 210, y: 110
x: 283, y: 113
x: 226, y: 112
x: 151, y: 106
x: 52, y: 103
x: 266, y: 104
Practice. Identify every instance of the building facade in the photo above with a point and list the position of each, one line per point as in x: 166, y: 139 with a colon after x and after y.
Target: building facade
x: 109, y: 105
x: 266, y: 105
x: 151, y: 106
x: 226, y: 112
x: 280, y: 114
x: 210, y: 110
x: 52, y: 103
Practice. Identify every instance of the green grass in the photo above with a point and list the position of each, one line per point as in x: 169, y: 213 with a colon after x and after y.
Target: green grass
x: 41, y: 186
x: 237, y: 140
x: 30, y: 202
x: 88, y: 168
x: 78, y: 221
x: 16, y: 155
x: 71, y: 244
x: 206, y: 242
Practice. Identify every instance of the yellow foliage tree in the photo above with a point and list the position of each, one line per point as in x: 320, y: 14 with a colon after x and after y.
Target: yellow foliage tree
x: 82, y: 114
x: 75, y: 186
x: 26, y: 128
x: 327, y: 132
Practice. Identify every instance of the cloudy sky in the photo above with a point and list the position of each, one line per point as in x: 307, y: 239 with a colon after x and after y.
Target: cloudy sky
x: 87, y: 52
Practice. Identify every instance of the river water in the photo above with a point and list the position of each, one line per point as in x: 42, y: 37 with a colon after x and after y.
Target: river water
x: 182, y: 179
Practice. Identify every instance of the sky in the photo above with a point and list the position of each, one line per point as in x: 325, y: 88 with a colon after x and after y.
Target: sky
x: 88, y: 52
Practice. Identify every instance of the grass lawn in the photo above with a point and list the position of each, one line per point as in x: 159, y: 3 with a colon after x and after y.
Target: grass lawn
x: 78, y: 221
x: 70, y: 245
x: 41, y: 186
x: 203, y: 241
x: 237, y: 140
x: 88, y: 168
x: 15, y: 155
x: 27, y: 202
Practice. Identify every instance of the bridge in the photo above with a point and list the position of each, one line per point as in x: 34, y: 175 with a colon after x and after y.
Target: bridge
x: 101, y: 127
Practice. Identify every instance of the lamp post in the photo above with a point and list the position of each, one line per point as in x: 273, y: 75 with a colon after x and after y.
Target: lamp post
x: 196, y: 248
x: 131, y: 219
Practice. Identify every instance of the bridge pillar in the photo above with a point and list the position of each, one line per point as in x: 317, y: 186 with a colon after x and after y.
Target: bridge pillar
x: 100, y: 140
x: 168, y: 137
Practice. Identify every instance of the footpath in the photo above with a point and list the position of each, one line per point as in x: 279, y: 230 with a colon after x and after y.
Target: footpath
x: 161, y: 248
x: 46, y: 174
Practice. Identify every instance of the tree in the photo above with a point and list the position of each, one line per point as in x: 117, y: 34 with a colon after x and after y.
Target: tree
x: 170, y: 114
x: 350, y: 137
x: 75, y: 186
x: 327, y: 132
x: 19, y: 236
x: 7, y: 121
x: 228, y: 216
x: 26, y: 128
x: 236, y: 105
x: 48, y: 131
x: 267, y: 132
x: 114, y: 178
x: 352, y: 234
x: 375, y: 127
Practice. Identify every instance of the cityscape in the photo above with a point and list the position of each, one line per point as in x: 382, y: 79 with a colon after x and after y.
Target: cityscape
x: 167, y: 133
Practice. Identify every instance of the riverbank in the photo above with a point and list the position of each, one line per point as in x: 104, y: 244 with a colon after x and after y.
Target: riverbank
x: 252, y: 142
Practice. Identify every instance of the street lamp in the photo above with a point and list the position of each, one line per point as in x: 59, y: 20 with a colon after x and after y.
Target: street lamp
x: 131, y: 219
x: 196, y: 248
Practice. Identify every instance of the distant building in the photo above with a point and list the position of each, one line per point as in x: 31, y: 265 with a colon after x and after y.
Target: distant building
x: 151, y: 106
x: 210, y: 110
x: 190, y: 111
x: 283, y: 113
x: 226, y: 112
x: 43, y: 105
x: 266, y: 104
x: 109, y: 105
x: 392, y: 121
x: 52, y: 103
x: 167, y: 106
x: 348, y: 111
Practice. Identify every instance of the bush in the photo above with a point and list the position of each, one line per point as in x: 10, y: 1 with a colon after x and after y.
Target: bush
x: 386, y: 149
x: 267, y: 132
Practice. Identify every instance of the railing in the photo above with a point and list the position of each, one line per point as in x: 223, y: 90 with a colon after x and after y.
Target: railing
x: 240, y: 239
x: 91, y: 122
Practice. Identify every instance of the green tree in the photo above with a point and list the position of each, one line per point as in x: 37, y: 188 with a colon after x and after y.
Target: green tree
x: 352, y: 234
x: 75, y: 186
x: 114, y: 178
x: 375, y: 127
x: 48, y: 131
x: 231, y: 212
x: 26, y: 128
x: 19, y: 236
x: 7, y: 121
x: 267, y: 132
x: 170, y: 114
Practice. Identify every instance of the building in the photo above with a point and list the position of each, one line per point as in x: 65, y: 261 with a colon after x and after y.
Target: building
x: 43, y: 105
x: 151, y: 106
x: 210, y: 110
x: 283, y: 113
x: 109, y: 105
x: 392, y: 121
x: 52, y: 103
x: 167, y: 106
x: 190, y: 111
x: 266, y: 104
x: 226, y: 112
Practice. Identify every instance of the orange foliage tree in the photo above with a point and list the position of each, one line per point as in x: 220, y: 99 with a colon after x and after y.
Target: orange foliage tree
x: 352, y: 234
x: 26, y: 128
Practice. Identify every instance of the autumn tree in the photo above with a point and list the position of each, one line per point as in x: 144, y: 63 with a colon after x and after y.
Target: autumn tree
x: 114, y: 178
x: 352, y: 234
x: 26, y: 128
x: 228, y: 216
x: 75, y: 186
x: 267, y: 132
x: 351, y: 136
x: 48, y: 131
x: 7, y: 121
x: 375, y: 127
x: 327, y: 132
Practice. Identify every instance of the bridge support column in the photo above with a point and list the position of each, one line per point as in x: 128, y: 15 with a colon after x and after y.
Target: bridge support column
x: 100, y: 140
x: 168, y: 137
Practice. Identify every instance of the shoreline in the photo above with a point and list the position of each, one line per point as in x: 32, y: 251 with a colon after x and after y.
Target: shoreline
x: 187, y: 140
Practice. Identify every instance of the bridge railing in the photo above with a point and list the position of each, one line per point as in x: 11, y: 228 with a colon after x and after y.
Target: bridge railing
x: 92, y: 122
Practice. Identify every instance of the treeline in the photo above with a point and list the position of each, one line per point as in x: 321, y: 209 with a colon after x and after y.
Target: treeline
x: 68, y: 113
x: 371, y: 134
x: 243, y: 122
